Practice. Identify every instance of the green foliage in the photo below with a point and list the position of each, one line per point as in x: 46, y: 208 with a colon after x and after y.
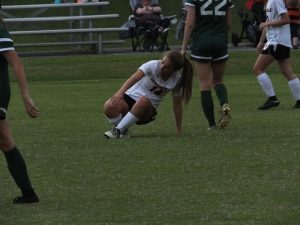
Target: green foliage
x: 247, y: 174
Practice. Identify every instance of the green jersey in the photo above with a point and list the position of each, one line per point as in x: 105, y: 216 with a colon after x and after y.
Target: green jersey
x: 6, y: 44
x: 210, y: 17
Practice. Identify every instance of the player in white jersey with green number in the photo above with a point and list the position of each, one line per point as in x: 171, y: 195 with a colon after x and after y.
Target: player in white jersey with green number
x: 138, y: 98
x: 276, y: 30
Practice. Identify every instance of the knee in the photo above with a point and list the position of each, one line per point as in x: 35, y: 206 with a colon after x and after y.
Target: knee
x: 257, y: 70
x: 206, y: 86
x: 108, y: 107
x: 6, y: 144
x: 6, y: 139
x: 217, y: 81
x: 5, y: 147
x: 144, y: 102
x: 112, y: 110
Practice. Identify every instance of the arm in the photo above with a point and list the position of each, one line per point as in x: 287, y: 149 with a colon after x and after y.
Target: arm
x: 284, y: 19
x: 189, y: 25
x: 177, y: 109
x: 261, y: 42
x: 138, y: 75
x: 19, y: 72
x: 148, y: 10
x: 229, y: 18
x: 155, y: 9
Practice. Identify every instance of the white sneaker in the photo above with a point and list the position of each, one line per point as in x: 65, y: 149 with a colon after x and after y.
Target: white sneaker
x: 125, y: 134
x: 224, y: 121
x: 111, y: 134
x: 116, y: 133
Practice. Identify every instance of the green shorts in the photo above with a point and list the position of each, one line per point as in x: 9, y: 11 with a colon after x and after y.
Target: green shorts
x: 213, y: 50
x: 4, y: 93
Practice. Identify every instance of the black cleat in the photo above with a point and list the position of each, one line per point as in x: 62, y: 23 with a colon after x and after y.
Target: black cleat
x: 269, y: 104
x: 297, y: 105
x: 25, y: 199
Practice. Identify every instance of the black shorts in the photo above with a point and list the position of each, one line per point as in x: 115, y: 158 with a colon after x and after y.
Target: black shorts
x: 207, y: 49
x: 279, y: 52
x: 130, y: 102
x: 4, y: 93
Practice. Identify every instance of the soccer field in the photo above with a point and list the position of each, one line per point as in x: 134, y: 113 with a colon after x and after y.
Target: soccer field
x: 247, y: 174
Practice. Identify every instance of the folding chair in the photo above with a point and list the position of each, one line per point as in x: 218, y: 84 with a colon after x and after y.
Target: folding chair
x: 154, y: 31
x: 250, y: 26
x: 181, y: 22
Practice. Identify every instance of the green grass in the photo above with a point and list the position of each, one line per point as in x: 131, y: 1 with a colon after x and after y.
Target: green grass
x: 247, y: 174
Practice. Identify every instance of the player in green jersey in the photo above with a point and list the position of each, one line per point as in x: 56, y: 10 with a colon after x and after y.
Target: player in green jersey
x: 15, y: 162
x: 207, y: 24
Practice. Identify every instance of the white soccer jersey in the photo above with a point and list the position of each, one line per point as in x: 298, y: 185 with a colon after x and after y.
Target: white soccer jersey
x: 152, y: 85
x: 277, y: 34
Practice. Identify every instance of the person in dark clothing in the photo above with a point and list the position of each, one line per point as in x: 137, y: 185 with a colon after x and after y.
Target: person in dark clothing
x: 14, y: 159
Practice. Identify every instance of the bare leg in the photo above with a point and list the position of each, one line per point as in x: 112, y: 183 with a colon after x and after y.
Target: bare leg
x: 293, y: 80
x: 111, y: 110
x: 262, y: 62
x: 141, y: 111
x: 16, y: 165
x: 204, y: 73
x: 219, y: 86
x: 6, y: 139
x: 115, y: 112
x: 221, y: 92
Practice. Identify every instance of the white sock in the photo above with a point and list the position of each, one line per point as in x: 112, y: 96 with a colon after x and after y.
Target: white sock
x: 128, y: 120
x: 115, y: 121
x: 295, y: 88
x: 266, y: 84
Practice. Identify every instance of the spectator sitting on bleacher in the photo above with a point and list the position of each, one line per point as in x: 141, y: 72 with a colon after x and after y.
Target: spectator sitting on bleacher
x: 147, y: 11
x: 147, y: 15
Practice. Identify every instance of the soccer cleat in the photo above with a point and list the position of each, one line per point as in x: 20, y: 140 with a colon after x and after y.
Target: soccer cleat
x: 125, y: 134
x: 269, y: 104
x: 116, y: 133
x: 212, y: 128
x: 297, y: 105
x: 26, y: 199
x: 224, y: 121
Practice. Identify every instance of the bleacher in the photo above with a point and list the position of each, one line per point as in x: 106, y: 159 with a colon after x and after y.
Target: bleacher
x: 76, y: 30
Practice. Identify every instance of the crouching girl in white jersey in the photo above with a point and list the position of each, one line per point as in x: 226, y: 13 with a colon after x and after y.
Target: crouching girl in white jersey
x: 136, y: 101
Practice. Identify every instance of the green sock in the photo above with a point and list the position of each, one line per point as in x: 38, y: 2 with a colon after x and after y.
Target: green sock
x: 221, y: 93
x: 208, y: 107
x: 17, y: 168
